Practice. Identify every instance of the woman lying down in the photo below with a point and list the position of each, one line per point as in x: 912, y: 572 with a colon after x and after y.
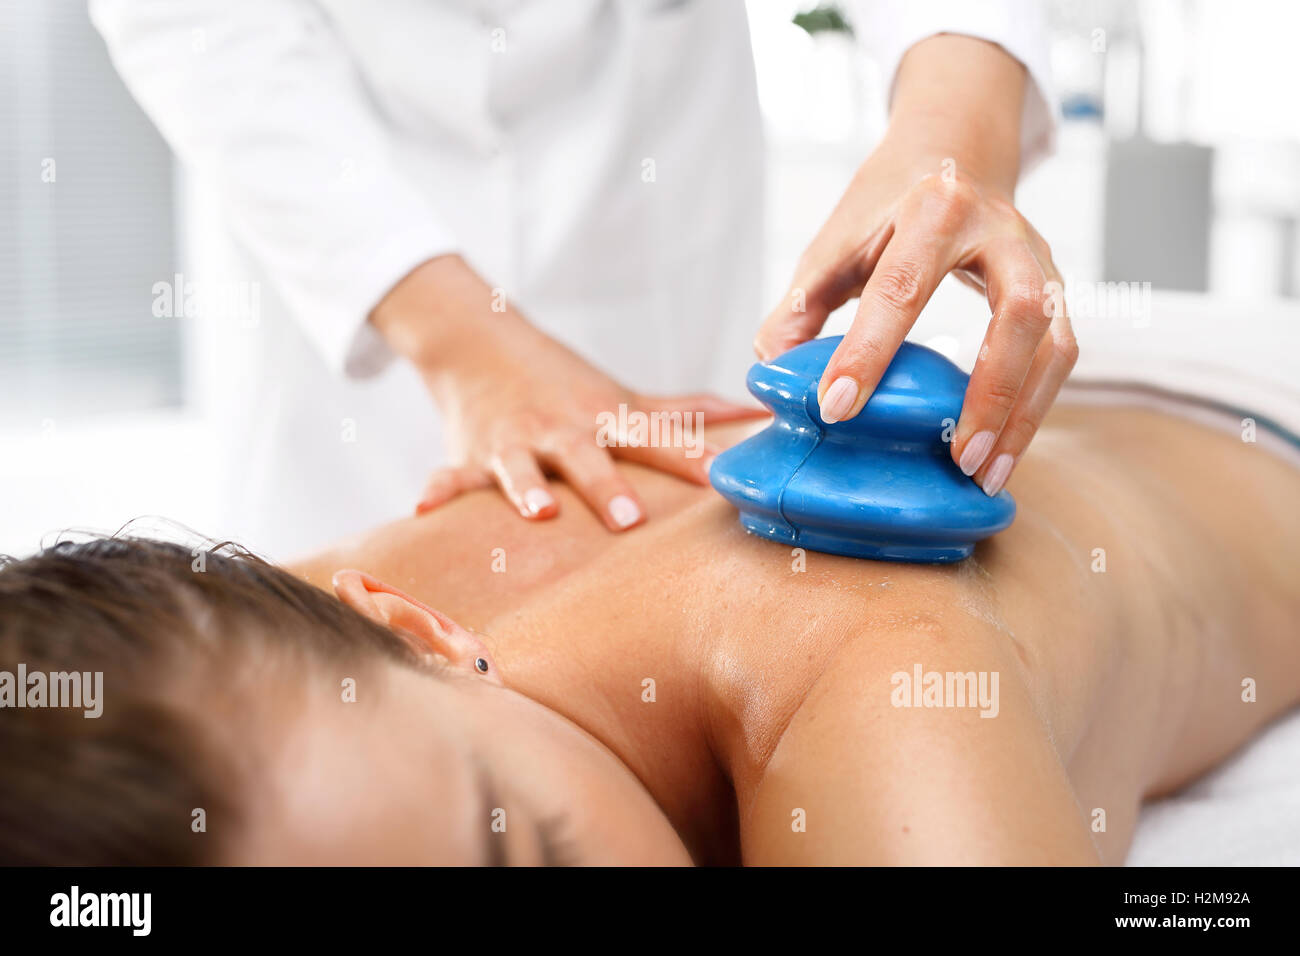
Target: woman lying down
x: 467, y: 688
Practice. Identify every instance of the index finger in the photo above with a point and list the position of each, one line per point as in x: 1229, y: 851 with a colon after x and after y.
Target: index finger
x: 921, y: 252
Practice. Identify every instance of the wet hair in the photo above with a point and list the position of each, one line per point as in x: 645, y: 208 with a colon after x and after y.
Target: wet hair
x: 157, y: 619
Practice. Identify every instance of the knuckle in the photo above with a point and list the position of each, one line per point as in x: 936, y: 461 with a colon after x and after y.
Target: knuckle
x: 899, y: 287
x: 1041, y: 247
x: 1016, y: 436
x: 1066, y: 347
x: 1001, y: 394
x: 1020, y: 322
x: 1025, y: 308
x: 948, y: 203
x: 1008, y: 213
x: 502, y: 433
x: 523, y: 421
x: 510, y: 447
x: 864, y: 352
x: 504, y: 453
x: 604, y: 470
x: 1054, y: 304
x: 1027, y: 296
x: 597, y: 468
x: 600, y: 488
x: 612, y: 484
x: 568, y: 443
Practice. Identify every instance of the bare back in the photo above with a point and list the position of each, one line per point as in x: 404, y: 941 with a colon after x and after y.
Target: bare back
x: 1150, y: 570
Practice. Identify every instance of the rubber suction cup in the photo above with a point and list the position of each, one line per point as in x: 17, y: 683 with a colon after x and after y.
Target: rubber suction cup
x: 882, y: 485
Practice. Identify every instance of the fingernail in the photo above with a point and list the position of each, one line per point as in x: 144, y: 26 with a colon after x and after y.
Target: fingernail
x: 624, y: 511
x: 998, y: 474
x: 537, y: 500
x: 839, y: 399
x: 976, y: 450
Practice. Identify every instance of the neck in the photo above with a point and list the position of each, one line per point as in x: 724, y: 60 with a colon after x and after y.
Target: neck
x: 686, y: 657
x: 641, y: 685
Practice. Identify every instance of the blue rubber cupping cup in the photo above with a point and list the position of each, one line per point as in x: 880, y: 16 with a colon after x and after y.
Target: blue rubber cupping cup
x: 881, y: 485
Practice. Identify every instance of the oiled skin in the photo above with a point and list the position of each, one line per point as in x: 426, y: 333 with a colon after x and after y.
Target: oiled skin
x: 772, y: 738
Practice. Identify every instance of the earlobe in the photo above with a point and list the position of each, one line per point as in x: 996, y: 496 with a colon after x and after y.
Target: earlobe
x: 428, y: 631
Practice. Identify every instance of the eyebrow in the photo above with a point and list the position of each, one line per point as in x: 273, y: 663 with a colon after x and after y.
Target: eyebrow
x: 494, y: 848
x: 554, y: 851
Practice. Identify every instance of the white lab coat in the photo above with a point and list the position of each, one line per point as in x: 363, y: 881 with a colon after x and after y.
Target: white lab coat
x: 598, y: 161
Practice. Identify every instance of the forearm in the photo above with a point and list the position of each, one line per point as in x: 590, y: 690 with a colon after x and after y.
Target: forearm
x: 959, y: 98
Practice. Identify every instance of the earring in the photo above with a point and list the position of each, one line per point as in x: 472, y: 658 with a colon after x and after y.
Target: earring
x: 481, y: 664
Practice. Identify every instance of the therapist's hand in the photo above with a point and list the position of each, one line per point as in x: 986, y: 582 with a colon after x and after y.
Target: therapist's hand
x: 518, y: 405
x: 936, y: 197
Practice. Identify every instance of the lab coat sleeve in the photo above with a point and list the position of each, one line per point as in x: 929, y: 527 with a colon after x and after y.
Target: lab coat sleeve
x: 262, y: 100
x: 889, y: 28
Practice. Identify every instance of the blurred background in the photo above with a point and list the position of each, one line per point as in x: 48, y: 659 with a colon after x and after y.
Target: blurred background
x: 1176, y: 180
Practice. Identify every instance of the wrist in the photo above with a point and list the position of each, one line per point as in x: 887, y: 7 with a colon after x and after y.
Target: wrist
x: 441, y: 315
x: 958, y: 100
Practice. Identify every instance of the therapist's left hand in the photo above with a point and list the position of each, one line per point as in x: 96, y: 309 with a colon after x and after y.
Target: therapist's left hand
x: 524, y: 406
x: 518, y: 406
x: 936, y: 197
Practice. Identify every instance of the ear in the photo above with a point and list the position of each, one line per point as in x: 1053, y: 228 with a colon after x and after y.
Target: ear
x: 426, y: 630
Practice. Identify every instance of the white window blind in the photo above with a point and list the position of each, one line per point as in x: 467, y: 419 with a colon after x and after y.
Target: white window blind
x: 86, y: 228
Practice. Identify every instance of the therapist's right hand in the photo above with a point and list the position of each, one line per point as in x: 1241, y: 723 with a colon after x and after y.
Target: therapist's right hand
x: 518, y: 405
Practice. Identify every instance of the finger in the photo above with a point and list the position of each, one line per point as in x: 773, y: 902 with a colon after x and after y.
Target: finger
x: 1055, y: 357
x: 924, y: 248
x: 673, y: 440
x: 797, y: 318
x: 447, y: 483
x: 714, y: 408
x: 1043, y: 252
x: 689, y: 460
x: 522, y: 482
x: 590, y: 471
x: 1018, y: 296
x: 803, y: 310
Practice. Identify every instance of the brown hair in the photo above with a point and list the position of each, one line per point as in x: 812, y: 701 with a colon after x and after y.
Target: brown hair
x: 121, y: 788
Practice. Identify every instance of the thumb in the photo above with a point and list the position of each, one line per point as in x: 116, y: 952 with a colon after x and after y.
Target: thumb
x: 804, y: 309
x: 828, y: 280
x: 798, y: 317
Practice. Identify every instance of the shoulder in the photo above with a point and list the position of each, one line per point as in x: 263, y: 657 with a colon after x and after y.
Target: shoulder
x: 921, y: 742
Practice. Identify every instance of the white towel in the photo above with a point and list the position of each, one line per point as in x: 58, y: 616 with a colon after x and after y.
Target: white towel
x: 1246, y: 812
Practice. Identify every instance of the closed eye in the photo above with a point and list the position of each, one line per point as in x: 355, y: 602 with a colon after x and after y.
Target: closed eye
x: 558, y: 848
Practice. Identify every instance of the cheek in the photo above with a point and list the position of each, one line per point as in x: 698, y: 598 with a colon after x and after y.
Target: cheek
x: 621, y: 833
x: 608, y: 815
x: 563, y: 773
